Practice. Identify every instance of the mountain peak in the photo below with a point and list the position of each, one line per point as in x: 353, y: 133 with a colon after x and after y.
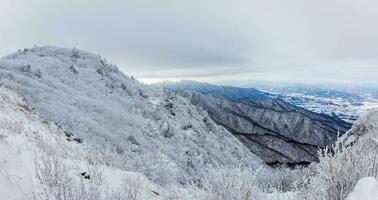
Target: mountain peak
x: 100, y: 104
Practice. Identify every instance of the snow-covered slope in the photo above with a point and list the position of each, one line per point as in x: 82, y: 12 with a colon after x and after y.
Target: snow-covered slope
x: 160, y: 134
x: 38, y: 162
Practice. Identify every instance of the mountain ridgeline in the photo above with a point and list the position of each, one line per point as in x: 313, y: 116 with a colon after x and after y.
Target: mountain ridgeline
x: 278, y: 132
x: 96, y: 102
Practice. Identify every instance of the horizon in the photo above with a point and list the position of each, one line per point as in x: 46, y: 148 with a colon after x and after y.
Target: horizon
x: 247, y: 83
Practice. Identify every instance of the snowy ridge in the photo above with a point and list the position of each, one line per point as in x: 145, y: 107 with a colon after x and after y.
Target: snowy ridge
x: 161, y: 134
x: 276, y: 131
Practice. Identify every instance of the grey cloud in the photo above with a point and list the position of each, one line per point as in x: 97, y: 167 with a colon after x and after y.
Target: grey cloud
x: 271, y: 39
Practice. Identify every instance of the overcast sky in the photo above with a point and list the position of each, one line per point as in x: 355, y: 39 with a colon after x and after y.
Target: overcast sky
x: 154, y: 40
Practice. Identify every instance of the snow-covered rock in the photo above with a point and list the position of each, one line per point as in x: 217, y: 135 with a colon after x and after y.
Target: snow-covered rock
x: 365, y: 127
x: 365, y: 189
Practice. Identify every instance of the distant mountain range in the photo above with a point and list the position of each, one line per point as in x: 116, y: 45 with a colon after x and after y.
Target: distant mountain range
x: 345, y: 101
x: 277, y: 131
x: 232, y: 93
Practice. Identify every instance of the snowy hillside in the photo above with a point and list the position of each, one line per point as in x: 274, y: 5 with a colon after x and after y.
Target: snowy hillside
x: 39, y: 162
x: 100, y: 105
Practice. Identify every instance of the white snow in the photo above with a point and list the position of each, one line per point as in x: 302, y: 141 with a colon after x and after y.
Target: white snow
x: 365, y: 189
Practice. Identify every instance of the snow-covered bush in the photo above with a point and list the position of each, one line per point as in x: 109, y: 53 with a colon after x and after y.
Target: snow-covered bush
x: 84, y: 179
x: 157, y: 167
x: 49, y: 170
x: 61, y: 184
x: 131, y: 189
x: 228, y: 184
x: 339, y: 169
x: 107, y: 155
x: 281, y: 179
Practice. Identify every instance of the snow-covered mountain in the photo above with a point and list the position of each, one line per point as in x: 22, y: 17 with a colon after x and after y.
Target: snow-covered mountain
x: 73, y: 127
x: 156, y: 133
x: 276, y: 131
